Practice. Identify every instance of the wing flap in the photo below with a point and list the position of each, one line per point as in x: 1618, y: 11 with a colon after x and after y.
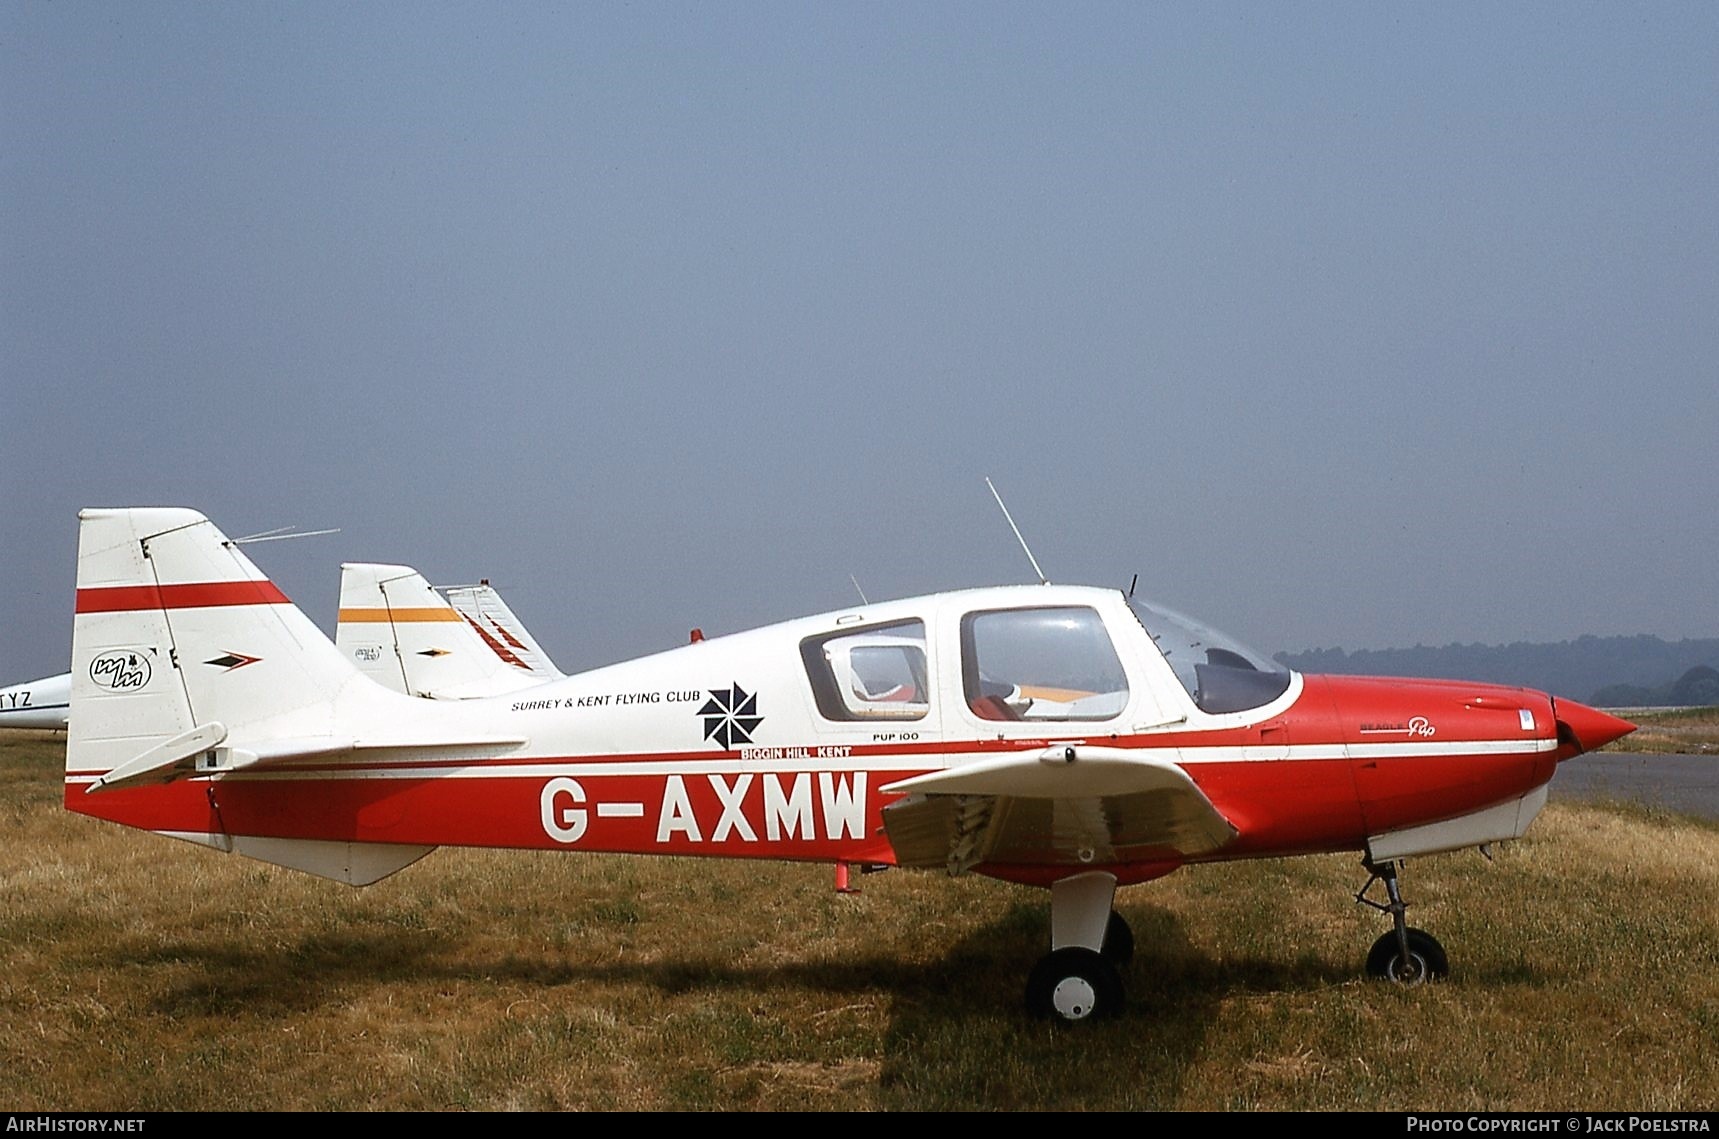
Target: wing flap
x: 1062, y: 772
x: 1063, y: 806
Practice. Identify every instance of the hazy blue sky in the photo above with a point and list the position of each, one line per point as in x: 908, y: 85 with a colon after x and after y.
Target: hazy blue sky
x: 1359, y: 325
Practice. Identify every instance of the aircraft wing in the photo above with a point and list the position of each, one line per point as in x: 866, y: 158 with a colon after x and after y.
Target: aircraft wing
x: 1067, y: 805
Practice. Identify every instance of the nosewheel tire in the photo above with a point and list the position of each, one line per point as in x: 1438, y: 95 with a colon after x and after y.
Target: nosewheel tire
x: 1426, y: 961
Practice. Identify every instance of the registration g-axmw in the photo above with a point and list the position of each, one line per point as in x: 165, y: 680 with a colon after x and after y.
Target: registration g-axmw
x: 829, y: 806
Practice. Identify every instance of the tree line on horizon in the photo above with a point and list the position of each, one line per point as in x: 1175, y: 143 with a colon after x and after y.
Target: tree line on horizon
x: 1605, y: 671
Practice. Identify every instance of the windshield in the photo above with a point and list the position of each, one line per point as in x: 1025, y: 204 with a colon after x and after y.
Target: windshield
x: 1219, y: 672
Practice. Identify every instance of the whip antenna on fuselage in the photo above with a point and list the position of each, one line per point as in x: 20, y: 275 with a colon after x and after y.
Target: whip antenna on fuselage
x: 280, y: 534
x: 1043, y: 580
x: 858, y: 590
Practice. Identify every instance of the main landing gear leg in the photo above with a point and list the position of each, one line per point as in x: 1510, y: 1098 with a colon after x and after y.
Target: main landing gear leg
x: 1079, y: 978
x: 1406, y: 955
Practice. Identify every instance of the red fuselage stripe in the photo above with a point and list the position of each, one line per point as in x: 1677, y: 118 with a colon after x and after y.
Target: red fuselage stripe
x: 1278, y: 808
x: 198, y: 595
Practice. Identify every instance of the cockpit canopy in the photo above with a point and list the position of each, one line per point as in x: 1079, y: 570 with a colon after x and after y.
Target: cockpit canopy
x: 1015, y: 654
x: 1219, y: 672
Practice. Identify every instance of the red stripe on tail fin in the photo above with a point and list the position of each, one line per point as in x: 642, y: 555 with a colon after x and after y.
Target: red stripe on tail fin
x: 198, y: 595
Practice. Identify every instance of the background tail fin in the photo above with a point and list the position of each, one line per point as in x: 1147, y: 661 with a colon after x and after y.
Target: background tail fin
x: 397, y: 630
x: 506, y: 636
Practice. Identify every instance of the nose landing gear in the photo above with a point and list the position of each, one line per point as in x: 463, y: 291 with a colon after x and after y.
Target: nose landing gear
x: 1406, y: 955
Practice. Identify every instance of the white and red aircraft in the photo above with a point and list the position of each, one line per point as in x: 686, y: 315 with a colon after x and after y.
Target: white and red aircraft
x: 1060, y: 736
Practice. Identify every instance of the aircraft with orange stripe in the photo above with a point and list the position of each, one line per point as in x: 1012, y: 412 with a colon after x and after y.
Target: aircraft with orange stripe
x: 1070, y: 738
x: 397, y: 630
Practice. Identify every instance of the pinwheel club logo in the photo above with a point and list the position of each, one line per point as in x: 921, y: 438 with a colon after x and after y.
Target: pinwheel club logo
x: 730, y: 716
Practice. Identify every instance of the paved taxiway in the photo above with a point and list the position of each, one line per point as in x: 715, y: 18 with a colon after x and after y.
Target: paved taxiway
x: 1686, y: 783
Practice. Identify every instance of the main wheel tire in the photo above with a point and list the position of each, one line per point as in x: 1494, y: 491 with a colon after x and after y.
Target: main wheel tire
x: 1118, y: 941
x: 1072, y: 985
x: 1427, y: 961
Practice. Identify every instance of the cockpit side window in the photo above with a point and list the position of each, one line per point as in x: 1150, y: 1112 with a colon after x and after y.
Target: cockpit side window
x: 877, y: 673
x: 1048, y: 664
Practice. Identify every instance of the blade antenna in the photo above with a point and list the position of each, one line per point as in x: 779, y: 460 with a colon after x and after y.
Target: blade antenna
x: 1043, y: 580
x: 858, y: 590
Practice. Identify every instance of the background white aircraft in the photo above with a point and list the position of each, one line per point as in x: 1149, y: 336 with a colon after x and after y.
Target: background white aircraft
x: 37, y: 703
x: 405, y: 636
x: 505, y: 634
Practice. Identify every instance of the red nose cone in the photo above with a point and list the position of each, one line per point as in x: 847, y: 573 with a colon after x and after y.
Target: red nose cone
x: 1588, y: 728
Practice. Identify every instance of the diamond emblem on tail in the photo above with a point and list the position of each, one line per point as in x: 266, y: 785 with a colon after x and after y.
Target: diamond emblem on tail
x: 227, y: 662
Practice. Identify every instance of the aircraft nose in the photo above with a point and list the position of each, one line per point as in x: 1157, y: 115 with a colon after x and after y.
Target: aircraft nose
x: 1588, y: 728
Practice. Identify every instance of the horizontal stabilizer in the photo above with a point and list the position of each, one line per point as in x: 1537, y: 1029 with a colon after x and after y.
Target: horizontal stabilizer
x: 165, y: 762
x: 198, y: 752
x: 321, y: 747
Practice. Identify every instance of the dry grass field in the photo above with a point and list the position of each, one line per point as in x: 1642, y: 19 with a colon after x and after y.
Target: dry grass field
x: 1693, y: 731
x: 141, y: 973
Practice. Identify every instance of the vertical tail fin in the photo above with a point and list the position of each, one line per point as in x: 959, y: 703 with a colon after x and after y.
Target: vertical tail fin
x: 505, y: 634
x: 176, y: 630
x: 405, y: 636
x: 180, y: 644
